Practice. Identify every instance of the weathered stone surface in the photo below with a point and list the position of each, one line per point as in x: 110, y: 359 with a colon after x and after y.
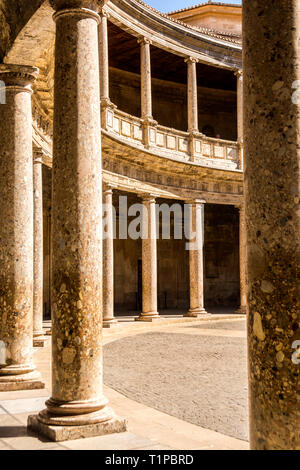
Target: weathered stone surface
x: 272, y: 153
x: 68, y: 433
x: 77, y: 397
x: 108, y: 261
x: 149, y: 263
x: 196, y: 243
x: 16, y: 230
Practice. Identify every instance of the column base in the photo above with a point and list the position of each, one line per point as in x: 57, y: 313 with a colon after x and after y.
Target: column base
x: 41, y: 341
x: 149, y: 317
x: 48, y: 332
x: 27, y: 381
x: 242, y: 310
x: 67, y: 433
x: 196, y: 313
x: 110, y: 323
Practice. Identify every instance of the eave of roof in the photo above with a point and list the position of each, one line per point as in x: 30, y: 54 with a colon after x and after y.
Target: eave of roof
x: 229, y: 37
x: 182, y: 10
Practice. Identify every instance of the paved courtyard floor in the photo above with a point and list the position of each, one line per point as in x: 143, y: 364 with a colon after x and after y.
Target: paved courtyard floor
x: 181, y: 384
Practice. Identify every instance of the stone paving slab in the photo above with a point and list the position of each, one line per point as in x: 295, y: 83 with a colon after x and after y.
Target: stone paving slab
x: 160, y: 430
x: 235, y: 325
x: 200, y: 379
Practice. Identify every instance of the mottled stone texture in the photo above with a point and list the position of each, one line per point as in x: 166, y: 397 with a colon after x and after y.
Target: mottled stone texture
x: 149, y: 261
x: 38, y: 245
x: 16, y: 230
x: 243, y: 256
x: 146, y: 86
x: 196, y: 242
x: 108, y: 260
x: 192, y: 97
x: 77, y: 398
x: 272, y: 151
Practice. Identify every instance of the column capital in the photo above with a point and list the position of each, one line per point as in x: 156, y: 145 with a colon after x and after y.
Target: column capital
x: 104, y: 14
x: 239, y: 73
x: 23, y: 76
x: 191, y: 60
x: 38, y: 155
x: 108, y: 188
x: 194, y: 202
x: 149, y: 198
x: 94, y: 5
x: 144, y: 41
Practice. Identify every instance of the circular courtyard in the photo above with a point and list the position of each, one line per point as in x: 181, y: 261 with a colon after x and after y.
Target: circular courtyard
x: 196, y: 372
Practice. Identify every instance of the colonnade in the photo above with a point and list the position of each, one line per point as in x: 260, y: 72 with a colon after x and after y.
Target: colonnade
x: 146, y: 88
x: 77, y: 407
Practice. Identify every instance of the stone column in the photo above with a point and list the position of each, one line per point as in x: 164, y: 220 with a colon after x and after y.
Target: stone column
x: 38, y: 334
x: 16, y: 231
x: 196, y: 221
x: 243, y: 255
x: 146, y: 89
x: 192, y: 94
x: 149, y: 261
x: 146, y: 85
x: 109, y: 320
x: 240, y: 114
x: 77, y: 407
x: 272, y: 184
x: 240, y: 110
x: 103, y: 59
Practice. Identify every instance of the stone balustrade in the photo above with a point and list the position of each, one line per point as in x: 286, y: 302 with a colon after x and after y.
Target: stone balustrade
x: 172, y: 143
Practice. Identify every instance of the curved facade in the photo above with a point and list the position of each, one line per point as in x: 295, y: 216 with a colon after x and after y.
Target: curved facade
x: 170, y: 110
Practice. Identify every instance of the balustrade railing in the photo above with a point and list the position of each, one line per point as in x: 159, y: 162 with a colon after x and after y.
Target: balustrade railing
x: 179, y: 145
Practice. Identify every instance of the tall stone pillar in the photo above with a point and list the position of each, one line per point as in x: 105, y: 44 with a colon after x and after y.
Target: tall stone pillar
x: 240, y: 116
x: 149, y: 261
x: 243, y: 257
x: 77, y: 407
x: 38, y: 335
x: 16, y: 231
x: 240, y: 107
x: 272, y: 183
x: 146, y: 89
x: 103, y: 58
x: 109, y: 320
x: 196, y: 255
x: 146, y: 85
x: 192, y: 88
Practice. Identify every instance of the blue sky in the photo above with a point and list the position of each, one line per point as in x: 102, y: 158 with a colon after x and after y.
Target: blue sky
x: 171, y: 5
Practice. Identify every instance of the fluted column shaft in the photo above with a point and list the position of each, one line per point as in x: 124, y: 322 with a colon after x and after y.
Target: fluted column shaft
x: 192, y: 94
x: 196, y: 255
x: 77, y: 370
x: 271, y: 65
x: 146, y: 85
x: 38, y: 244
x: 108, y: 261
x: 149, y: 261
x: 16, y: 230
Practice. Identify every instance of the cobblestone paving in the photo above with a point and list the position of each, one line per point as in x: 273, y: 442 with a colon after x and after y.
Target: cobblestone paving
x: 223, y: 325
x: 200, y: 379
